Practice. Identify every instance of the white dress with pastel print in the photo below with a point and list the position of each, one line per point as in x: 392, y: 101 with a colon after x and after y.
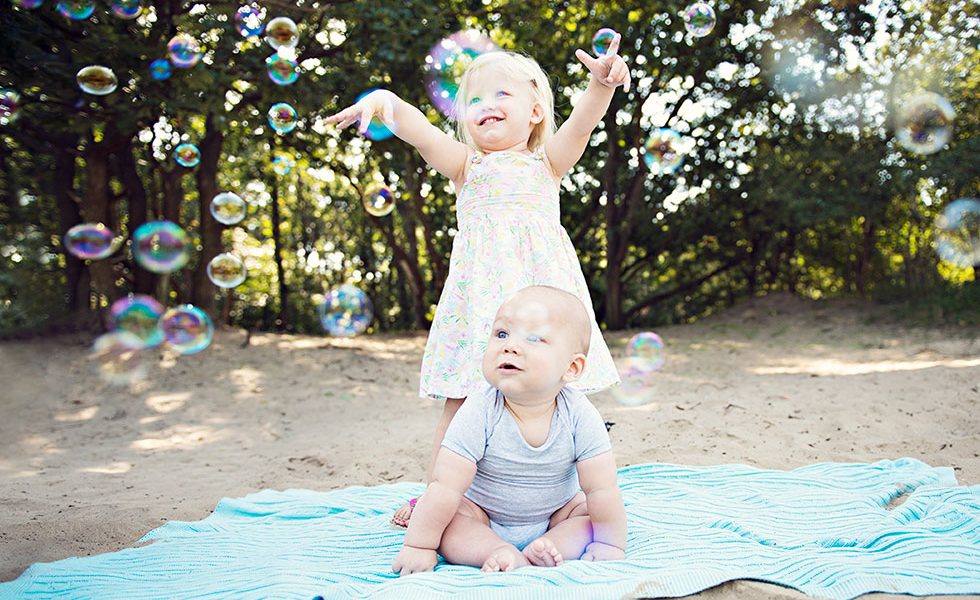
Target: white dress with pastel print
x: 509, y: 237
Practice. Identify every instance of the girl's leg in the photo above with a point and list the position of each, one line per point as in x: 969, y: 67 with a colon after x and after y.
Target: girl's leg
x: 468, y: 540
x: 403, y: 514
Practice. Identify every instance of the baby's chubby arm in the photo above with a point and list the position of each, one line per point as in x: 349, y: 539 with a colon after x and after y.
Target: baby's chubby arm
x: 607, y: 72
x: 597, y: 476
x: 441, y: 151
x: 452, y: 475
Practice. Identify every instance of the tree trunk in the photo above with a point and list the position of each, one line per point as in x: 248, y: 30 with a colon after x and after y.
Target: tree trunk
x: 864, y: 260
x: 202, y: 290
x: 69, y: 215
x: 282, y: 321
x: 96, y: 209
x: 144, y: 282
x: 411, y: 272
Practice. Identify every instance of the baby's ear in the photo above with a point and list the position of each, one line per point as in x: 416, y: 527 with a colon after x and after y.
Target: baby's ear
x: 575, y: 368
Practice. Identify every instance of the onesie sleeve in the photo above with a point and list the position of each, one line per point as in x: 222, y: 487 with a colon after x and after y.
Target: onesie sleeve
x: 467, y: 432
x: 591, y: 437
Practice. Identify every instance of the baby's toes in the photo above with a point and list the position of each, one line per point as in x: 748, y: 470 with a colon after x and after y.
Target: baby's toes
x: 491, y: 565
x: 543, y: 553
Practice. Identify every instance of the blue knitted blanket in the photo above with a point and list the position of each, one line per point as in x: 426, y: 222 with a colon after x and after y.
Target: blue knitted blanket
x: 830, y: 530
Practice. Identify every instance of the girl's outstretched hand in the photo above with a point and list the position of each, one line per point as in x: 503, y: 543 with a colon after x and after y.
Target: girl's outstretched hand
x: 609, y: 69
x: 378, y: 103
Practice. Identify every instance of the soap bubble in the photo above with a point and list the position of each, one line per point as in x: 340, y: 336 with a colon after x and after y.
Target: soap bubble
x: 663, y: 151
x: 346, y: 311
x: 77, y: 10
x: 126, y: 9
x: 283, y: 164
x: 9, y: 106
x: 445, y: 63
x: 958, y: 233
x: 187, y: 329
x: 161, y: 246
x: 282, y: 70
x: 248, y: 19
x: 118, y: 358
x: 30, y: 4
x: 184, y: 50
x: 138, y: 315
x: 602, y: 40
x: 187, y: 155
x: 282, y: 32
x: 376, y: 130
x: 925, y: 123
x: 90, y: 241
x: 644, y: 357
x: 699, y: 19
x: 282, y: 117
x: 226, y: 270
x: 379, y: 201
x: 160, y: 69
x: 228, y: 208
x: 96, y: 80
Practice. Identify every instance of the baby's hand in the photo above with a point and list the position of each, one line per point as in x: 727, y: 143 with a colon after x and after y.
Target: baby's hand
x: 377, y: 103
x: 414, y: 560
x: 600, y: 551
x: 609, y: 69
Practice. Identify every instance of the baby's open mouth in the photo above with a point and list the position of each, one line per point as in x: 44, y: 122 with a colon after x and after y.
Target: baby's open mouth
x: 507, y: 367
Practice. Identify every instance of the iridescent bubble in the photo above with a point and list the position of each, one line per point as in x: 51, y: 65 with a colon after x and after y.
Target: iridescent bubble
x: 90, y: 241
x: 248, y: 19
x: 126, y: 9
x: 346, y: 311
x: 648, y: 348
x: 9, y: 106
x: 699, y: 19
x: 663, y: 151
x: 187, y: 329
x: 184, y: 51
x: 282, y: 70
x: 958, y: 233
x: 282, y: 117
x: 644, y: 357
x: 445, y: 63
x: 602, y: 40
x: 226, y: 270
x: 31, y: 4
x: 161, y: 246
x: 138, y: 315
x: 118, y: 358
x: 160, y: 69
x: 187, y: 155
x: 379, y: 201
x: 925, y: 123
x: 97, y: 80
x: 283, y: 164
x: 228, y: 208
x: 77, y: 10
x: 376, y: 130
x: 282, y: 32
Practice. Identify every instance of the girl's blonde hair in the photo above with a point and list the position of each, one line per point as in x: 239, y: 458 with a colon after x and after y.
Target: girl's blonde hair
x: 520, y: 68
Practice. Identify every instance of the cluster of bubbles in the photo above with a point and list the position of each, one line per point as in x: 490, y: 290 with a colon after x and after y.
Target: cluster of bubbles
x: 346, y: 311
x: 644, y: 357
x: 445, y: 63
x: 96, y: 80
x: 378, y: 201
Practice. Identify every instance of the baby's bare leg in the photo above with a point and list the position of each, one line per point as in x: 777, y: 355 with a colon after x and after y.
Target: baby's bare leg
x: 468, y: 540
x: 569, y: 532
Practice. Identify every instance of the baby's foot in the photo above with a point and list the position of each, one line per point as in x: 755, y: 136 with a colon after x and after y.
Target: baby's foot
x: 504, y: 558
x: 403, y: 514
x: 542, y: 553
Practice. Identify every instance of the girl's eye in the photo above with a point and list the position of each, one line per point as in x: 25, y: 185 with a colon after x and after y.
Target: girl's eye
x: 474, y: 100
x: 502, y: 93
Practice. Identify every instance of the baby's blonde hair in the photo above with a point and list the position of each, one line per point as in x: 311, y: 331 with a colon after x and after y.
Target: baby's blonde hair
x: 517, y: 67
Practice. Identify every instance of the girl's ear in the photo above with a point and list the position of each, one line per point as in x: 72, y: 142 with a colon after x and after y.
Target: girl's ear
x: 537, y: 113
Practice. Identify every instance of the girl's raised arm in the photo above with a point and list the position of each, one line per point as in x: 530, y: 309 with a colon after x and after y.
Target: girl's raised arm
x: 440, y: 151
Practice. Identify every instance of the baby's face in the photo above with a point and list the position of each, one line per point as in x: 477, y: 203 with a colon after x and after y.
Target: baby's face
x: 530, y: 351
x: 500, y: 112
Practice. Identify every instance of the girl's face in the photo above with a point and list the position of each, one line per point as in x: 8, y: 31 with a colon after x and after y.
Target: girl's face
x: 500, y: 111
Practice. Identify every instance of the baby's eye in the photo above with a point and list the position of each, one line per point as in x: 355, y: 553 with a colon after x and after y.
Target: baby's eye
x: 534, y: 338
x: 500, y: 334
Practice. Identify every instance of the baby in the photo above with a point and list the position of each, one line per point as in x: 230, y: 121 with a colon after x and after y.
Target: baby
x: 505, y: 489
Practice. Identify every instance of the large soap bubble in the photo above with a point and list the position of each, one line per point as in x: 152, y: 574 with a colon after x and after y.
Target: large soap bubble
x: 161, y: 246
x: 96, y: 80
x: 187, y: 329
x: 90, y: 241
x: 445, y: 63
x: 958, y: 233
x: 228, y: 208
x: 226, y: 270
x: 925, y: 123
x: 184, y: 50
x: 347, y: 311
x: 138, y: 315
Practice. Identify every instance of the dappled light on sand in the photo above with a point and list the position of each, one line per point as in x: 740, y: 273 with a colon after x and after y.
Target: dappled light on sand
x: 832, y: 366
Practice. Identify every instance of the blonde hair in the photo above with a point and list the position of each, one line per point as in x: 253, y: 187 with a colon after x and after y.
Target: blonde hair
x: 520, y: 68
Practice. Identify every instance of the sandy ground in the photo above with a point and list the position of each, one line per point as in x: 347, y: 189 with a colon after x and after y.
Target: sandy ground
x: 775, y: 382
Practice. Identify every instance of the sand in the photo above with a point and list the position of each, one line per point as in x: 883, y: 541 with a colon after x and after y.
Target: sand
x: 775, y: 382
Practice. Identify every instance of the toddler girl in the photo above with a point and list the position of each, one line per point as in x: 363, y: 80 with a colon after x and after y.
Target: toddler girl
x: 507, y: 172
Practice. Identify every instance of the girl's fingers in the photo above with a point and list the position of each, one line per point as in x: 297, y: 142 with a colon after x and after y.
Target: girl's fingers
x: 589, y: 62
x: 614, y: 46
x: 365, y: 120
